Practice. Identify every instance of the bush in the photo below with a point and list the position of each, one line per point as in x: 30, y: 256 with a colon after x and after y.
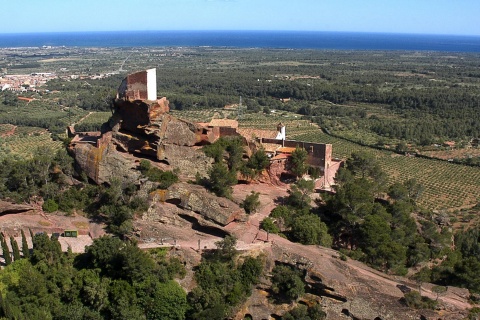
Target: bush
x: 413, y: 299
x: 251, y: 202
x: 164, y: 178
x: 145, y: 165
x: 50, y: 206
x: 268, y: 225
x: 287, y: 283
x: 303, y: 312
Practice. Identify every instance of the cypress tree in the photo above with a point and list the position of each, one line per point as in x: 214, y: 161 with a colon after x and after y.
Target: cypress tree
x: 25, y: 250
x: 16, y: 251
x: 2, y: 306
x: 6, y: 251
x: 31, y: 234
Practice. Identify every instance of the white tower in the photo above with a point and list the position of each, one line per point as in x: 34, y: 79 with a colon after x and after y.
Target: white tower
x: 281, y: 132
x: 152, y: 84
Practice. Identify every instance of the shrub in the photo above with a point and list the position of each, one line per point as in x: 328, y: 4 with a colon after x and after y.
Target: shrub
x: 50, y: 206
x: 164, y: 178
x: 413, y: 299
x: 251, y: 202
x: 287, y: 282
x: 268, y: 225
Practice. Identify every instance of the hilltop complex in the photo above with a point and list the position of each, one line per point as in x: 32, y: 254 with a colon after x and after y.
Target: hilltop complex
x: 141, y: 124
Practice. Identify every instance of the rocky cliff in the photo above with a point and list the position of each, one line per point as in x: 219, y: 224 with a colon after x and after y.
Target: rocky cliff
x: 102, y: 162
x: 146, y: 128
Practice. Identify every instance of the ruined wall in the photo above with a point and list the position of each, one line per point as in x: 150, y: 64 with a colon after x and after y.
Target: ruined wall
x: 136, y: 86
x: 319, y: 154
x: 139, y: 86
x: 226, y: 131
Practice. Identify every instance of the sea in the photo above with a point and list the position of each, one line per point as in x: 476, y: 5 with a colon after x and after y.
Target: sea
x: 248, y: 39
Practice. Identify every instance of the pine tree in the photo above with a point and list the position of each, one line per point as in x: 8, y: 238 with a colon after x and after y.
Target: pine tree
x: 6, y: 251
x: 16, y: 251
x: 25, y: 250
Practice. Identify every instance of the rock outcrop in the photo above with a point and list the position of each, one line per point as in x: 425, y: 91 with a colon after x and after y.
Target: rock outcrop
x: 102, y: 162
x: 9, y: 208
x: 146, y: 128
x: 195, y: 198
x: 143, y: 127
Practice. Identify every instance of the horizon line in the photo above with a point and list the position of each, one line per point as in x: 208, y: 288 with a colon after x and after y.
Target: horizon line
x: 239, y: 30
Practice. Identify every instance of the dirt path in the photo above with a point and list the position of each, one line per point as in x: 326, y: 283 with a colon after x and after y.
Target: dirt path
x: 10, y: 132
x: 84, y: 117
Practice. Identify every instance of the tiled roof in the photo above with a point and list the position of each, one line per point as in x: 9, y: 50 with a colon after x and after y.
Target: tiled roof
x: 285, y: 150
x: 281, y: 156
x: 223, y: 123
x: 270, y: 147
x: 250, y: 133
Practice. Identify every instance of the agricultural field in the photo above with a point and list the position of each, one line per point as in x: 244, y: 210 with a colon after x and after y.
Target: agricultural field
x: 455, y: 153
x: 201, y: 115
x: 447, y: 186
x: 92, y: 121
x: 44, y: 112
x: 25, y: 141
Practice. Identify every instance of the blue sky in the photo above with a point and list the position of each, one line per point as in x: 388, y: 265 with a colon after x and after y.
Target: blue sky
x: 407, y: 16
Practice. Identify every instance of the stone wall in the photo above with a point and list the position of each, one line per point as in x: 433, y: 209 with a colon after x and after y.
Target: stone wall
x: 319, y: 154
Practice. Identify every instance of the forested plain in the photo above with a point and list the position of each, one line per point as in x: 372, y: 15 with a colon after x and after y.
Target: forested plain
x: 403, y: 100
x: 416, y: 98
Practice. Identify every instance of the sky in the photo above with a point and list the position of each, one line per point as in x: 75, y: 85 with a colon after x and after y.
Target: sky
x: 459, y: 17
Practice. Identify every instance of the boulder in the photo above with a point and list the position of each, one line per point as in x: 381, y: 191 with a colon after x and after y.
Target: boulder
x: 195, y: 198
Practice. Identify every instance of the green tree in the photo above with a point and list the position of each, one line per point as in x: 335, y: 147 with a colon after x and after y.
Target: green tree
x: 25, y: 249
x: 466, y: 274
x: 15, y: 249
x: 221, y: 180
x: 287, y: 283
x: 226, y: 248
x: 5, y: 250
x: 235, y: 153
x: 398, y: 191
x: 380, y: 249
x: 258, y: 161
x: 167, y: 301
x: 45, y: 250
x: 50, y: 206
x: 298, y: 162
x: 251, y: 202
x: 299, y: 194
x: 119, y: 260
x: 309, y: 229
x: 363, y: 164
x: 414, y: 189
